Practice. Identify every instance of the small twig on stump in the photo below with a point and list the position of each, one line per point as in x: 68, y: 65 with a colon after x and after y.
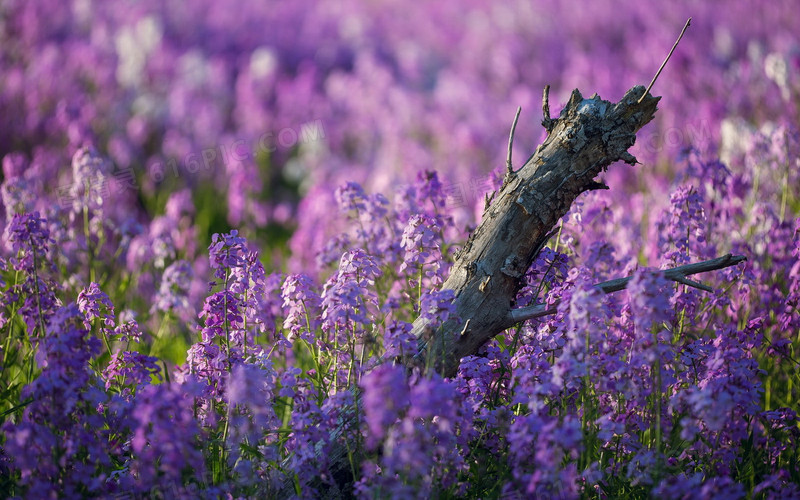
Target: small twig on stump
x: 509, y: 165
x: 678, y: 274
x: 547, y: 122
x: 685, y: 26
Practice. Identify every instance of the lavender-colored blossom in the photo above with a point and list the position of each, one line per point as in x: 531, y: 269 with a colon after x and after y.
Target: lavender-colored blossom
x: 208, y: 363
x: 437, y: 307
x: 421, y: 243
x: 30, y: 241
x: 58, y: 445
x: 344, y: 303
x: 407, y: 464
x: 567, y: 405
x: 301, y: 306
x: 307, y: 433
x: 682, y: 233
x: 385, y: 396
x: 226, y: 252
x: 351, y: 196
x: 131, y: 368
x: 128, y: 331
x: 179, y: 205
x: 165, y: 442
x: 358, y: 265
x: 258, y: 293
x: 537, y: 449
x: 90, y: 174
x: 95, y: 304
x: 18, y: 196
x: 222, y: 314
x: 250, y: 391
x: 398, y: 341
x: 173, y: 293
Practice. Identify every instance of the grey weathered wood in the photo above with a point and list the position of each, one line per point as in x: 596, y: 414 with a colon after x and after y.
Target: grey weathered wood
x: 678, y: 274
x: 588, y: 136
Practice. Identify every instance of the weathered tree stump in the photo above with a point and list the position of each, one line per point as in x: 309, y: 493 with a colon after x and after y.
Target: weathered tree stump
x: 588, y: 136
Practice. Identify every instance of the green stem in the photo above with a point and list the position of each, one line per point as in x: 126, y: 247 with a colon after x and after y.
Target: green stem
x: 87, y: 234
x: 13, y: 311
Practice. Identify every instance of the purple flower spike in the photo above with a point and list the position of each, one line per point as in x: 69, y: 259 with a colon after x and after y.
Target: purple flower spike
x: 94, y: 304
x: 226, y: 252
x: 385, y: 396
x: 30, y: 240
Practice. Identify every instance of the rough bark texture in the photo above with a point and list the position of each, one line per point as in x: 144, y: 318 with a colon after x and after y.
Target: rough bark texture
x: 585, y: 139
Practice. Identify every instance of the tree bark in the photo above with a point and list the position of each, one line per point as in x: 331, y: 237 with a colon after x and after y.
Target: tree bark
x: 588, y: 136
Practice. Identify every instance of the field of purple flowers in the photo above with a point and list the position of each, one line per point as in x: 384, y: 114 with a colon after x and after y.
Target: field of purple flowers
x: 220, y: 219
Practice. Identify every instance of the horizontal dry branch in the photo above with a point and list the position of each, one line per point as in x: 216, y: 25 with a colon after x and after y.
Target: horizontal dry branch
x: 678, y: 274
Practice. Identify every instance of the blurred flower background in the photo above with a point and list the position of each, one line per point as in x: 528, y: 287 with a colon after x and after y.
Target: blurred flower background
x: 332, y: 156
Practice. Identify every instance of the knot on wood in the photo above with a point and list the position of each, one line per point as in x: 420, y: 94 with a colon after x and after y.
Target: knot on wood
x: 513, y: 267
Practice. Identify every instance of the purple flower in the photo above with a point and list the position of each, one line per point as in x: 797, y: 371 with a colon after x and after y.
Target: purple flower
x: 345, y: 299
x: 430, y: 188
x: 424, y: 451
x: 59, y: 445
x: 222, y: 315
x: 165, y: 442
x: 385, y: 396
x: 250, y: 391
x: 421, y: 242
x: 351, y: 196
x: 95, y: 304
x: 649, y: 300
x: 173, y: 293
x: 682, y: 232
x: 179, y: 205
x: 358, y: 265
x: 252, y: 386
x: 30, y: 240
x: 132, y: 369
x: 436, y: 307
x: 128, y: 331
x: 301, y: 306
x: 208, y: 363
x: 90, y: 174
x: 398, y: 341
x: 18, y: 196
x: 258, y: 293
x: 226, y: 252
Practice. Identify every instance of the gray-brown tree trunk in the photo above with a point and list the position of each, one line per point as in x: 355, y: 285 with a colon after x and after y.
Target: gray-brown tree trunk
x: 585, y: 139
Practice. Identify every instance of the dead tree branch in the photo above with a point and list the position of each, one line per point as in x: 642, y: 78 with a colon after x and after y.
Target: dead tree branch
x: 678, y: 274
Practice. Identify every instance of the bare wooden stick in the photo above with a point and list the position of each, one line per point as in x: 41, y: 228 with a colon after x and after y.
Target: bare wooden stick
x: 509, y: 165
x: 547, y: 122
x: 678, y: 274
x: 685, y: 26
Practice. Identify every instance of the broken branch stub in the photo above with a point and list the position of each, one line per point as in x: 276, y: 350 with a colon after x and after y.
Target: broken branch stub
x: 587, y: 137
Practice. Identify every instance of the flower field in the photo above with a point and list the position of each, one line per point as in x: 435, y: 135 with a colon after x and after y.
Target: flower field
x: 221, y: 220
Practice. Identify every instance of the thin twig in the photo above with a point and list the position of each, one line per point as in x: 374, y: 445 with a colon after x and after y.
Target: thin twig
x: 678, y: 274
x: 547, y: 122
x: 509, y: 166
x: 688, y: 22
